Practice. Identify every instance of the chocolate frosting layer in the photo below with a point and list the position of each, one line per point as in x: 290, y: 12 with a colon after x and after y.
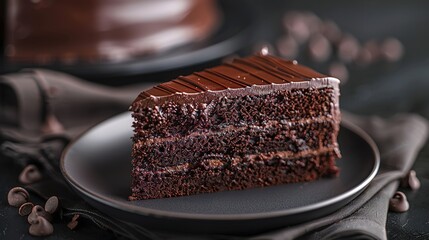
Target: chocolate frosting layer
x: 257, y: 74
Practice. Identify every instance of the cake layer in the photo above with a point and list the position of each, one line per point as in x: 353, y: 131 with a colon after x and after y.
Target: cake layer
x: 262, y: 171
x: 284, y: 106
x: 235, y: 141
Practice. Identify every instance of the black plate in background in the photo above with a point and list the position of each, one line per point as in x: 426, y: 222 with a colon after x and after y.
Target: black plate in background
x: 98, y: 166
x: 233, y: 35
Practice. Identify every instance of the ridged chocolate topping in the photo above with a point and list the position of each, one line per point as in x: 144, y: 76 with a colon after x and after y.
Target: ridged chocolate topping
x: 259, y: 70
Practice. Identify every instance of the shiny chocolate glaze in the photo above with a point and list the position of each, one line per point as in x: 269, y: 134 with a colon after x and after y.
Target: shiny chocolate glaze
x: 259, y: 74
x: 90, y: 30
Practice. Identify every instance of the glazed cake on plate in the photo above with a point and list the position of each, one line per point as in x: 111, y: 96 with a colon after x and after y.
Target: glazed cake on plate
x: 255, y: 122
x: 46, y: 31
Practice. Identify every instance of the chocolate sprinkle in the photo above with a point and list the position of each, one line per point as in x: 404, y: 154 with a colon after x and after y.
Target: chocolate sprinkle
x: 398, y: 203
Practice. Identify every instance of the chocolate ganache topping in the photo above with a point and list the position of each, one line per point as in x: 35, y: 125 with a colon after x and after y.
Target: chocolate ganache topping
x: 255, y: 74
x: 91, y: 30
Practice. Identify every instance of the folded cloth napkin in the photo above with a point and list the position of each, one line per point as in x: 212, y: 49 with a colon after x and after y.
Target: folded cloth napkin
x: 41, y: 111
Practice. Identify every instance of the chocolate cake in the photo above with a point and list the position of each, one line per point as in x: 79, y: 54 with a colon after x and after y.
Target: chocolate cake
x: 43, y: 31
x: 258, y: 121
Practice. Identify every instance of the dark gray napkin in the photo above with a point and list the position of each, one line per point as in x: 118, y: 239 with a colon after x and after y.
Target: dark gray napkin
x: 54, y: 108
x: 399, y: 140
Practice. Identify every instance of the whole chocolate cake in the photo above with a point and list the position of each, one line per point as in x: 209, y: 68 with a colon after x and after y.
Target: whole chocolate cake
x: 43, y: 31
x: 258, y: 121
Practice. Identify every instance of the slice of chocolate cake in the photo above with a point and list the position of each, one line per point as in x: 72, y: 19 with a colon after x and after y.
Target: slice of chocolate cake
x: 259, y: 121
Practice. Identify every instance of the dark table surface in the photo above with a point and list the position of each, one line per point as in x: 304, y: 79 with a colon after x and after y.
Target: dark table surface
x: 380, y: 89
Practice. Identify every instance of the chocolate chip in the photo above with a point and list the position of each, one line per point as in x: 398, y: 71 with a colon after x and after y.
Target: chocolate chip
x: 25, y: 209
x: 364, y: 57
x: 319, y: 48
x: 373, y: 47
x: 17, y: 196
x: 287, y: 47
x: 411, y: 181
x: 398, y: 203
x: 313, y: 22
x: 392, y: 49
x: 339, y: 70
x: 348, y: 48
x: 30, y: 174
x: 38, y: 211
x: 41, y: 227
x: 295, y: 24
x: 52, y: 204
x: 331, y: 31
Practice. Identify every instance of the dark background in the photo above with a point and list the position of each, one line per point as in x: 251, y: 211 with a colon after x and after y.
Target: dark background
x: 380, y: 89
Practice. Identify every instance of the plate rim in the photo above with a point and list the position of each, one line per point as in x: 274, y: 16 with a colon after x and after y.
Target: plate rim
x: 119, y: 205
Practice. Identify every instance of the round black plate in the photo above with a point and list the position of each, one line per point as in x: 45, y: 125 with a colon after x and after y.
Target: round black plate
x: 98, y: 166
x: 233, y: 34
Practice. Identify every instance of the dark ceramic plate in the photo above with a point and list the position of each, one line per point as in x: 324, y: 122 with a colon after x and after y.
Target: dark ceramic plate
x: 98, y: 166
x: 233, y: 34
